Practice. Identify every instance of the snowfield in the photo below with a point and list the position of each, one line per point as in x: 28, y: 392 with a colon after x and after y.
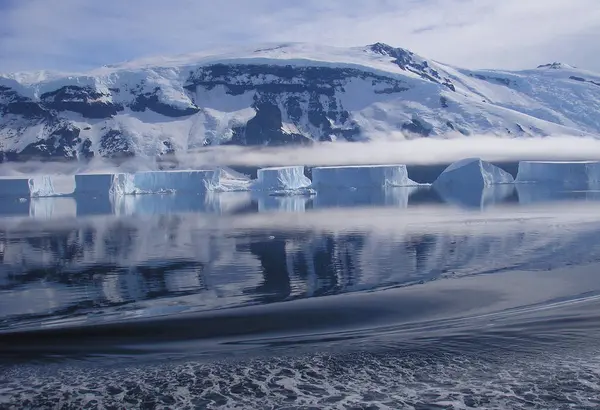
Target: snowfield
x: 287, y: 94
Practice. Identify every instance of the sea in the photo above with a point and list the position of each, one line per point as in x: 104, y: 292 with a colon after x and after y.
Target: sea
x: 398, y: 298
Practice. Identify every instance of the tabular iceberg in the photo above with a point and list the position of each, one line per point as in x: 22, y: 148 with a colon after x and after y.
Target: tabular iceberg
x: 147, y: 182
x: 282, y: 180
x: 361, y: 176
x: 472, y: 173
x: 580, y: 174
x: 37, y: 186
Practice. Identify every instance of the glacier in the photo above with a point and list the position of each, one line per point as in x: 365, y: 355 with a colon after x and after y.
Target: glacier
x: 295, y: 93
x: 37, y: 186
x: 576, y: 174
x: 472, y: 173
x: 361, y: 176
x: 282, y: 181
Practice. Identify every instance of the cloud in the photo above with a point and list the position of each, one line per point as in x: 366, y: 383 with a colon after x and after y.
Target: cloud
x: 82, y: 34
x: 418, y: 151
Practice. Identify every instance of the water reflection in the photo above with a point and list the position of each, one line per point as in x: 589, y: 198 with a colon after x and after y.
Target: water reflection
x: 159, y: 254
x: 482, y: 198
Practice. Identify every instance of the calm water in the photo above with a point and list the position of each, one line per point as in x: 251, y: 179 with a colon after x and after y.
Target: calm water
x: 405, y: 298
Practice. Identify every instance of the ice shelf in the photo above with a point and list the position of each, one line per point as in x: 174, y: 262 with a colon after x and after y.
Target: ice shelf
x: 578, y: 174
x: 282, y: 180
x: 472, y: 173
x: 361, y: 176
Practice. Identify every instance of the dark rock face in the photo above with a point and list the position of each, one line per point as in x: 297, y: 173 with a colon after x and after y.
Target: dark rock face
x: 499, y: 80
x: 291, y: 88
x: 406, y: 61
x: 84, y: 100
x: 150, y: 101
x: 114, y: 144
x: 293, y: 105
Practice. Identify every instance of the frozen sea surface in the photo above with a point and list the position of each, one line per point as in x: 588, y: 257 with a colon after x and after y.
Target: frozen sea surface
x: 391, y: 298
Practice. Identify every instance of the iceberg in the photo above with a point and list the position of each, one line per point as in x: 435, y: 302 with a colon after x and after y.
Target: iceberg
x: 578, y: 174
x: 37, y: 186
x: 361, y: 176
x: 147, y: 182
x: 472, y: 173
x: 227, y: 180
x: 282, y: 181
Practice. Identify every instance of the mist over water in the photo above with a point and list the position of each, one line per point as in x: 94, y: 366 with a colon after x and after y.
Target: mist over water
x: 418, y: 151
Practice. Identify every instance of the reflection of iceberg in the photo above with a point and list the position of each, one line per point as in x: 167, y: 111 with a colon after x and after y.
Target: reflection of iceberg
x: 475, y: 197
x: 282, y: 180
x: 46, y: 208
x: 37, y: 186
x: 532, y: 193
x: 361, y: 176
x: 163, y: 204
x: 472, y: 173
x: 343, y: 197
x: 575, y: 175
x: 289, y: 203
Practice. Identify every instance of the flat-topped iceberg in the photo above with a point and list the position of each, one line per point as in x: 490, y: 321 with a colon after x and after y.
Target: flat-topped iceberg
x: 146, y: 182
x: 37, y: 186
x: 282, y: 180
x: 361, y: 176
x: 472, y: 173
x: 577, y: 174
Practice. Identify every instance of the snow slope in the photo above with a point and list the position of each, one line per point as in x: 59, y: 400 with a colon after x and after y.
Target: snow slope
x: 290, y: 93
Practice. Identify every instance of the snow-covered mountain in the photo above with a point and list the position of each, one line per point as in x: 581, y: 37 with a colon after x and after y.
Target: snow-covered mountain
x: 290, y: 93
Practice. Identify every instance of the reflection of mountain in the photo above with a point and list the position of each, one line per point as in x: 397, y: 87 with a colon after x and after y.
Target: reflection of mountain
x: 115, y: 265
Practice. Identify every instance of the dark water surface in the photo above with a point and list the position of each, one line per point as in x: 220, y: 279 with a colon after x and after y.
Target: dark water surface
x: 403, y: 298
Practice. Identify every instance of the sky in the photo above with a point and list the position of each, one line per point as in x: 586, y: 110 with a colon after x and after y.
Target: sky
x: 77, y: 35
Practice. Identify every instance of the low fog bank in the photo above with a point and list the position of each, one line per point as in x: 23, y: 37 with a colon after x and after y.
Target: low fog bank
x: 423, y: 151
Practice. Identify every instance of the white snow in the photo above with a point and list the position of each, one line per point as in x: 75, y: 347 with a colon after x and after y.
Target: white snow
x: 577, y: 173
x: 472, y: 173
x: 37, y: 186
x: 282, y: 180
x: 361, y: 176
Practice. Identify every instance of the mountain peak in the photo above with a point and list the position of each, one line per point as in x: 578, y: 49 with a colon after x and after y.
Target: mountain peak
x: 555, y: 66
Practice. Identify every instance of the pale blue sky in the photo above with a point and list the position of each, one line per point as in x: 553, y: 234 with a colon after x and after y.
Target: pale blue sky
x: 512, y: 34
